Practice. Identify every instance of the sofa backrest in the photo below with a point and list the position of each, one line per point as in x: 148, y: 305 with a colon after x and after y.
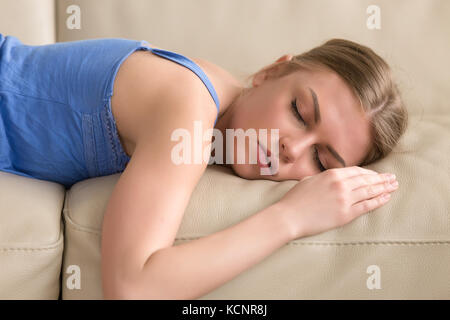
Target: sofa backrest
x: 33, y: 22
x: 244, y: 36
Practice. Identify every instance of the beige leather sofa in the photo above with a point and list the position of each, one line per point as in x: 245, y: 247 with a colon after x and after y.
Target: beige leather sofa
x: 50, y: 237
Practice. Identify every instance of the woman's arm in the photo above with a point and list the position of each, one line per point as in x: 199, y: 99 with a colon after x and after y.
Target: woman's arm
x: 147, y: 203
x: 191, y: 270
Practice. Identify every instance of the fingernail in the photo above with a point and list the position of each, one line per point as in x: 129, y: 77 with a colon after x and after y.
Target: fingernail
x: 394, y: 183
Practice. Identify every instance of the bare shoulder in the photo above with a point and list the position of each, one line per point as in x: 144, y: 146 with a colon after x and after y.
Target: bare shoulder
x: 148, y: 86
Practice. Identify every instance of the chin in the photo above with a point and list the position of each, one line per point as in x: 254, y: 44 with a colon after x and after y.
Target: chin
x: 243, y: 171
x: 248, y: 171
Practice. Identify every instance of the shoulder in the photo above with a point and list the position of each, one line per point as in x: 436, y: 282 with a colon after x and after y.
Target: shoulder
x: 179, y: 98
x: 148, y: 87
x: 224, y: 82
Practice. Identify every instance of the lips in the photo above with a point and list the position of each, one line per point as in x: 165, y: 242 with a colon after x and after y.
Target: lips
x: 262, y: 155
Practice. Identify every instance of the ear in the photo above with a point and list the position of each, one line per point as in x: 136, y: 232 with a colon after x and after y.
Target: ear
x: 263, y: 73
x: 286, y: 57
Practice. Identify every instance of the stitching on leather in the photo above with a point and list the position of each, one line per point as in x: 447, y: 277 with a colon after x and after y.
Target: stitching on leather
x: 28, y: 249
x: 58, y: 245
x: 77, y: 228
x: 68, y: 220
x: 388, y: 243
x: 433, y: 242
x: 294, y: 242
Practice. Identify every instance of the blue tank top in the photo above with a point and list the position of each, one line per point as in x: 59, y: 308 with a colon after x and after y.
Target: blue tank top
x: 56, y: 122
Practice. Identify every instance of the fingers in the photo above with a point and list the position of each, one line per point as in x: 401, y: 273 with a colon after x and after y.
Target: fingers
x: 373, y: 190
x: 368, y: 179
x: 365, y: 206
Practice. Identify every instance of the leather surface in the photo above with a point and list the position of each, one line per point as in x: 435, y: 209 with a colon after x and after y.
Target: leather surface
x: 31, y: 230
x: 243, y: 37
x: 33, y: 22
x: 31, y: 237
x: 408, y: 239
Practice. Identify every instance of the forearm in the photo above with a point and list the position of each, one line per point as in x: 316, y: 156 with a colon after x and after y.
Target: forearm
x: 191, y: 270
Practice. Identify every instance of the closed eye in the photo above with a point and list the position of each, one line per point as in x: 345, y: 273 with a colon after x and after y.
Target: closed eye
x: 296, y: 113
x: 316, y: 158
x: 300, y: 118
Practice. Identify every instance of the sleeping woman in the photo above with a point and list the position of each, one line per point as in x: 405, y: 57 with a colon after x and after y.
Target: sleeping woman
x: 82, y: 109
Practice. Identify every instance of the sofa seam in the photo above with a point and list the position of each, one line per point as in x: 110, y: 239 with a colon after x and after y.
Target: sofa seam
x: 360, y: 243
x: 388, y: 243
x: 54, y: 246
x: 56, y: 20
x: 68, y: 219
x: 355, y: 243
x: 80, y: 228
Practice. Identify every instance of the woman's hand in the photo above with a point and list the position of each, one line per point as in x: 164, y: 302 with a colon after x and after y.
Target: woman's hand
x: 334, y: 198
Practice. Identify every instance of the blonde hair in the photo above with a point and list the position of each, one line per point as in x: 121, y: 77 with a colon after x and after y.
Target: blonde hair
x: 369, y: 77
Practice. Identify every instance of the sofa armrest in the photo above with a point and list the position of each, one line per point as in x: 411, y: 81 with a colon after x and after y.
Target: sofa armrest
x: 31, y: 237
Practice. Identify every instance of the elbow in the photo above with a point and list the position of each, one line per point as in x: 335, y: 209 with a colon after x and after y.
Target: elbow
x: 121, y: 278
x: 115, y: 288
x: 119, y: 285
x: 135, y: 283
x: 118, y: 290
x: 109, y: 294
x: 126, y: 291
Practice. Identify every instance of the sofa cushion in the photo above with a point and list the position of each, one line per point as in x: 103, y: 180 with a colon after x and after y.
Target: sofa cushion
x: 407, y: 239
x: 405, y: 243
x: 31, y: 237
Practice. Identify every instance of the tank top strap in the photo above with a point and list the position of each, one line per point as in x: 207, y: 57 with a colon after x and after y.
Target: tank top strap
x: 188, y: 63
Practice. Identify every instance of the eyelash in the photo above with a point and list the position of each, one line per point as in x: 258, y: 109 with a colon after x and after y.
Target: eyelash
x: 299, y: 117
x: 316, y: 158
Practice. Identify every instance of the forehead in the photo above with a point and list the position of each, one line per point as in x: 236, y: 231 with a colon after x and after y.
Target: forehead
x: 343, y: 123
x: 328, y: 82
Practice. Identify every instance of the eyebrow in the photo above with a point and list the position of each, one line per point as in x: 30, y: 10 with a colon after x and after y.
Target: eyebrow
x: 317, y: 120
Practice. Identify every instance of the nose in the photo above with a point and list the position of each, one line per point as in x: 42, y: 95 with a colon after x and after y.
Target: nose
x: 291, y: 149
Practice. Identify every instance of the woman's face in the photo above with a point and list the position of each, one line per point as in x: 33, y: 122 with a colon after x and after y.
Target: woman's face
x: 333, y: 124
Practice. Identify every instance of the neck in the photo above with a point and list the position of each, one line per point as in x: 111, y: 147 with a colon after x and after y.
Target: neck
x: 224, y: 120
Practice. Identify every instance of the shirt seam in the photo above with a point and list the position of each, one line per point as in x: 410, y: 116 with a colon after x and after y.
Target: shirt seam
x: 43, y: 99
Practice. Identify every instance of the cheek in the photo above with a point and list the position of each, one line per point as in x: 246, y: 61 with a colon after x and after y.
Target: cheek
x: 281, y: 119
x: 272, y: 113
x: 261, y: 112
